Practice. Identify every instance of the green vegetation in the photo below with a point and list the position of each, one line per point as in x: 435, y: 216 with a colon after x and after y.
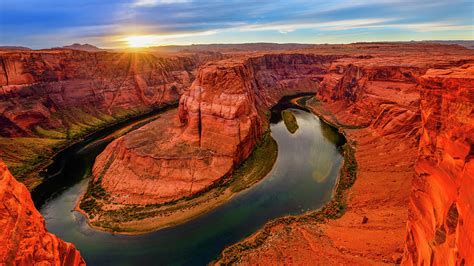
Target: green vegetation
x: 290, y: 121
x: 257, y: 165
x: 26, y: 157
x: 79, y: 122
x: 91, y: 201
x: 49, y: 133
x: 252, y: 170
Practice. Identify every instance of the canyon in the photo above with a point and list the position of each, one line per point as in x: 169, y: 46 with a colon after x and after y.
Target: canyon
x: 49, y: 98
x: 382, y: 105
x: 405, y: 109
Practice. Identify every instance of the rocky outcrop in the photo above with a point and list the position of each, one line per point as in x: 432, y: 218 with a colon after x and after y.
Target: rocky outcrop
x: 440, y: 223
x: 220, y: 120
x: 396, y: 103
x: 224, y: 110
x: 23, y: 236
x: 44, y: 93
x: 375, y: 100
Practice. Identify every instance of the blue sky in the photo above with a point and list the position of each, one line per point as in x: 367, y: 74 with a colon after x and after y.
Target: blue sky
x: 121, y: 23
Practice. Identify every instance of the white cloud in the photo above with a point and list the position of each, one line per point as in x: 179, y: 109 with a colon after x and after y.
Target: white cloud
x: 330, y: 25
x: 152, y: 3
x: 432, y: 26
x: 160, y: 39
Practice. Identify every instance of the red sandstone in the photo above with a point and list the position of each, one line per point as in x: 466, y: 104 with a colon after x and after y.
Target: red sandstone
x: 441, y: 211
x: 221, y: 118
x: 50, y: 89
x: 376, y: 102
x: 23, y: 236
x: 396, y: 103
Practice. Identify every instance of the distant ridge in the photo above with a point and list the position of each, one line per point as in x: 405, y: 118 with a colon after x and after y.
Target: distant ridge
x: 466, y: 43
x: 82, y: 47
x: 14, y: 48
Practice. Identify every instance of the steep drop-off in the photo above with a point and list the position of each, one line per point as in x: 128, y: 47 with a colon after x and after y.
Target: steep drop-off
x: 220, y: 120
x: 23, y: 236
x: 49, y: 98
x: 44, y: 91
x: 397, y: 104
x: 441, y: 212
x: 375, y: 101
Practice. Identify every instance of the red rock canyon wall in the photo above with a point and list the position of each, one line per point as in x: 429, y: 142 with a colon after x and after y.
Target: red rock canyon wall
x: 24, y: 239
x: 440, y: 228
x: 59, y: 89
x: 221, y: 118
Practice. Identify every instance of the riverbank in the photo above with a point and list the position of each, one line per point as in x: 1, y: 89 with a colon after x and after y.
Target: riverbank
x: 105, y: 213
x: 140, y: 219
x: 373, y: 210
x: 29, y: 158
x: 292, y: 187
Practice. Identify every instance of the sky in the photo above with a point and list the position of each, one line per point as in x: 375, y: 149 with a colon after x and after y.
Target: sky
x: 134, y: 23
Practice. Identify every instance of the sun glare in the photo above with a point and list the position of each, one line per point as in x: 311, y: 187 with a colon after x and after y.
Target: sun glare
x: 141, y: 41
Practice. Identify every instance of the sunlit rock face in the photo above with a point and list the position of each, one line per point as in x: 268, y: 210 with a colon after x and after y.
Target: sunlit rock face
x: 441, y: 211
x: 219, y: 121
x: 24, y: 239
x: 386, y: 102
x: 66, y: 89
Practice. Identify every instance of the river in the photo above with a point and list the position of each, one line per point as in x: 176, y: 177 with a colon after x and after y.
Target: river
x: 302, y: 179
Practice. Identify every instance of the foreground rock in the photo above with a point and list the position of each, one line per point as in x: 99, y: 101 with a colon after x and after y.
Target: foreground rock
x: 23, y: 236
x: 384, y: 97
x: 375, y: 101
x: 441, y: 211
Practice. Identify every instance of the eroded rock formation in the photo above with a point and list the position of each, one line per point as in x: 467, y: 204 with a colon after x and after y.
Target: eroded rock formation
x: 55, y: 90
x: 441, y: 211
x: 375, y: 100
x: 24, y: 239
x: 396, y: 104
x: 221, y: 118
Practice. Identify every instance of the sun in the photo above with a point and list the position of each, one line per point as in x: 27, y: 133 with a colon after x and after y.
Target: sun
x: 141, y: 41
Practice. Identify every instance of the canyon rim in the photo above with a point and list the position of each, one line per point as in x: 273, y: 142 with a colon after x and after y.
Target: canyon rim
x: 188, y: 137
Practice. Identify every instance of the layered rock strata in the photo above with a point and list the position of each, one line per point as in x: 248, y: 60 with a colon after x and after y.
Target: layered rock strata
x: 441, y: 212
x: 376, y: 103
x: 220, y: 119
x: 24, y: 239
x: 385, y: 98
x: 49, y: 91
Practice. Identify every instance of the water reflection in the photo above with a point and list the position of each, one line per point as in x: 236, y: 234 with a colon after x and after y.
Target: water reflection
x: 302, y: 179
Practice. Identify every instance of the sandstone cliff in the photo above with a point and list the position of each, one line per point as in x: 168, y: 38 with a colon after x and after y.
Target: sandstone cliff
x: 221, y: 118
x: 375, y: 100
x: 50, y: 98
x: 440, y: 223
x: 61, y: 92
x: 396, y: 103
x: 23, y: 236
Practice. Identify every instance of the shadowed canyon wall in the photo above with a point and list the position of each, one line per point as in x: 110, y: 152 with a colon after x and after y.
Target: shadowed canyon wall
x: 50, y: 98
x: 23, y: 236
